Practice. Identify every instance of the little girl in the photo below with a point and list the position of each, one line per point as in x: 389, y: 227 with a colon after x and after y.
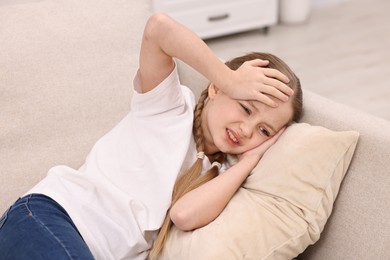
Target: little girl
x: 115, y: 204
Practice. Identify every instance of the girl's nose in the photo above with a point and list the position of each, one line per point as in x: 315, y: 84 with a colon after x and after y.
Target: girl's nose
x: 246, y: 129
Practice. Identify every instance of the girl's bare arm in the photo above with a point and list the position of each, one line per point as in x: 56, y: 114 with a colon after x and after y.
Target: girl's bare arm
x: 164, y: 38
x: 202, y: 205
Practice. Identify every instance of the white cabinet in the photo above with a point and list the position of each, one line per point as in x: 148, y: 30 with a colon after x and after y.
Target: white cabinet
x: 211, y: 18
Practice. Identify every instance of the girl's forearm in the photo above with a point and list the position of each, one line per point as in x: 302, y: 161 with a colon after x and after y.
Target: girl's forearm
x: 165, y: 38
x: 202, y: 205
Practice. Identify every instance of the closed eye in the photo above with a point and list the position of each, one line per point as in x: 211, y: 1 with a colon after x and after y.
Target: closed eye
x: 246, y: 110
x: 265, y: 131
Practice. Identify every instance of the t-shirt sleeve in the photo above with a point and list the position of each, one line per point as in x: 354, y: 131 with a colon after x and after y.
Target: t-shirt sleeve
x: 169, y: 95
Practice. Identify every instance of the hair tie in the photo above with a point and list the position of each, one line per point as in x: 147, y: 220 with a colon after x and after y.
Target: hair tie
x: 200, y: 155
x: 215, y: 163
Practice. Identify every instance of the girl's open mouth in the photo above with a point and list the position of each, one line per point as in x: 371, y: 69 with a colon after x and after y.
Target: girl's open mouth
x: 232, y: 137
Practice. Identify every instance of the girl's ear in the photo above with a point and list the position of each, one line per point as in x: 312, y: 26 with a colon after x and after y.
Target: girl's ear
x: 213, y: 90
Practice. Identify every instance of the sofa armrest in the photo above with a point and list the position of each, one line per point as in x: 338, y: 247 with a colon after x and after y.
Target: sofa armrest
x: 359, y: 223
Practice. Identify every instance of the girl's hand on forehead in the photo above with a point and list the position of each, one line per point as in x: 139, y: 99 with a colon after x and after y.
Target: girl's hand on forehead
x: 251, y: 81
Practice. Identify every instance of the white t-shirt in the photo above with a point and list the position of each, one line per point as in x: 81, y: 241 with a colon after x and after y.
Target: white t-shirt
x: 118, y: 199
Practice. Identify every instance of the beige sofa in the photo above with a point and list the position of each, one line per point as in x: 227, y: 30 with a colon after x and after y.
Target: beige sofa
x: 66, y: 71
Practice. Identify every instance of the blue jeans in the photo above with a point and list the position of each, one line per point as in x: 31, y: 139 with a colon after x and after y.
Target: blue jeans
x: 37, y: 227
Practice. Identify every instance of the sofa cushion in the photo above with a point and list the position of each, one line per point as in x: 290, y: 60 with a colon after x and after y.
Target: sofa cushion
x: 283, y: 205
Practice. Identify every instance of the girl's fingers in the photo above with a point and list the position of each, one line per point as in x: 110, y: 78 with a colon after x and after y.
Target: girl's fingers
x: 262, y: 148
x: 258, y: 63
x: 265, y: 99
x: 269, y: 90
x: 278, y: 89
x: 273, y: 73
x: 263, y: 84
x: 272, y: 91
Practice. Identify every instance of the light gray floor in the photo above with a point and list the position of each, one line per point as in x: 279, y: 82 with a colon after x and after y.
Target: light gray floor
x: 342, y: 52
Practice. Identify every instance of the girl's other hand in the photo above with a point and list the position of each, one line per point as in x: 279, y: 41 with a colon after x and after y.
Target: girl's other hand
x: 251, y: 81
x: 255, y: 154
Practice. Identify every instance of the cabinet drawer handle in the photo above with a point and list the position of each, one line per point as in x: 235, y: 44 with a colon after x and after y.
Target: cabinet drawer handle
x: 218, y: 17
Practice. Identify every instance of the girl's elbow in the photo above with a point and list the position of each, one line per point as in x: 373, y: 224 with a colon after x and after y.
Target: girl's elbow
x: 155, y: 24
x: 181, y: 218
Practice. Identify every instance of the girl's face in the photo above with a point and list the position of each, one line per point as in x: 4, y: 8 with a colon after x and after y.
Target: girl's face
x: 235, y: 126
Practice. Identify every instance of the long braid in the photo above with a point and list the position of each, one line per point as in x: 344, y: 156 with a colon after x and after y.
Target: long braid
x: 195, y: 170
x: 191, y: 179
x: 190, y: 182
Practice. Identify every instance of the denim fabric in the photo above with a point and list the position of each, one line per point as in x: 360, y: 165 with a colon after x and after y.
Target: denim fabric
x: 36, y: 227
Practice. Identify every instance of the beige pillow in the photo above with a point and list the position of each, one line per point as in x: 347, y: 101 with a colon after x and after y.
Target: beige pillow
x: 283, y: 205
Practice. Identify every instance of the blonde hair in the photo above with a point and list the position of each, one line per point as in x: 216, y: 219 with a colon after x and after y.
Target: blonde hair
x: 193, y: 178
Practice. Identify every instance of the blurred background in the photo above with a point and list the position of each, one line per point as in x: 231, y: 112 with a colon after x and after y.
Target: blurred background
x: 340, y: 49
